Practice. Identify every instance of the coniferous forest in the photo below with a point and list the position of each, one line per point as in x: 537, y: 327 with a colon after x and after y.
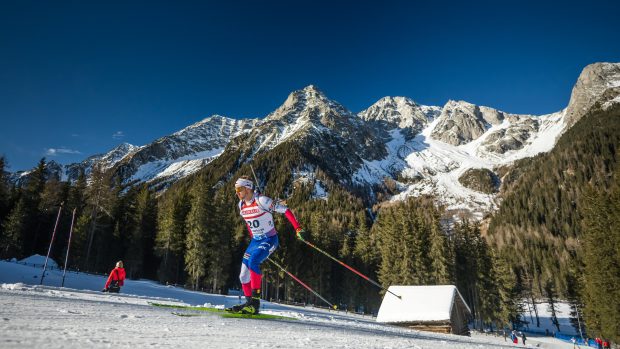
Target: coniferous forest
x: 555, y: 236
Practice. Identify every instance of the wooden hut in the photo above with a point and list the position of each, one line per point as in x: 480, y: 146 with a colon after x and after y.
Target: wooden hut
x: 426, y: 308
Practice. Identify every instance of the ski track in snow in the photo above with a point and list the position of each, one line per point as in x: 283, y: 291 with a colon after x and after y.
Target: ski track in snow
x: 33, y: 316
x: 58, y: 318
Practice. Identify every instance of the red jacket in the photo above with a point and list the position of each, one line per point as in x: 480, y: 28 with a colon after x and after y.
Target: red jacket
x: 116, y: 274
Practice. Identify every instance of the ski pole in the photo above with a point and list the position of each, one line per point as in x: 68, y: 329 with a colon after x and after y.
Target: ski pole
x: 333, y: 306
x: 350, y: 268
x: 255, y: 178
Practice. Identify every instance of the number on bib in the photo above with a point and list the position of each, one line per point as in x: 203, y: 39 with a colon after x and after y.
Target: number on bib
x: 254, y: 223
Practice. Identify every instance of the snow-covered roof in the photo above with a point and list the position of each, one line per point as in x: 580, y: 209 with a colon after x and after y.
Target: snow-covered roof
x: 419, y: 303
x: 37, y: 259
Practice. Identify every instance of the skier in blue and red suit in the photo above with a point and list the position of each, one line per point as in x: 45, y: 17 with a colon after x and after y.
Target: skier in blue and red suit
x: 256, y: 210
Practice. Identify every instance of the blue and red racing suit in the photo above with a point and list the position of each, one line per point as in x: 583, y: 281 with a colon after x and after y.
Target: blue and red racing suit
x: 259, y: 220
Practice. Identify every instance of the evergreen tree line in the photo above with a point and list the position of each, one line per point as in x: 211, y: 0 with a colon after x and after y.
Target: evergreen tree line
x: 600, y: 276
x: 556, y: 226
x: 413, y: 243
x: 112, y: 222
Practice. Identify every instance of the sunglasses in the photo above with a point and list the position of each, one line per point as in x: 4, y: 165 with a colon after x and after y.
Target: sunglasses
x: 239, y: 189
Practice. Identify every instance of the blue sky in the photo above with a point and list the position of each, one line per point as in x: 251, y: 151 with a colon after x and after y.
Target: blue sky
x: 79, y: 77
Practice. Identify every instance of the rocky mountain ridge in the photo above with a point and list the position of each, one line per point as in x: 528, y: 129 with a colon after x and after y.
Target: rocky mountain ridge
x: 422, y: 149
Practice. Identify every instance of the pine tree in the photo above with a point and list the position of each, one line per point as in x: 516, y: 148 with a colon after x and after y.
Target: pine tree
x: 101, y: 198
x: 508, y: 289
x: 4, y: 192
x: 466, y: 267
x: 32, y: 223
x: 171, y: 235
x: 139, y: 252
x: 487, y: 284
x: 552, y: 302
x: 439, y: 254
x: 196, y: 254
x: 79, y: 241
x: 219, y: 244
x: 76, y: 199
x: 53, y: 196
x: 11, y: 238
x: 574, y: 298
x: 388, y: 246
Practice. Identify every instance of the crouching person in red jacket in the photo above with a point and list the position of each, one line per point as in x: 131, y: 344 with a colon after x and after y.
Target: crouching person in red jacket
x: 116, y: 279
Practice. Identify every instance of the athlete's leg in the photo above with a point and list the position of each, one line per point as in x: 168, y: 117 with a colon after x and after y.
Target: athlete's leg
x: 257, y: 256
x: 244, y: 275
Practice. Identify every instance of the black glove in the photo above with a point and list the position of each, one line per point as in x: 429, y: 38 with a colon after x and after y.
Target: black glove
x: 301, y: 234
x: 104, y: 290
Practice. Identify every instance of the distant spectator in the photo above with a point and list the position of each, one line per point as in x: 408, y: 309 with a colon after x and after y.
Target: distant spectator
x: 574, y: 341
x: 606, y: 344
x: 599, y: 342
x: 513, y: 337
x: 523, y: 337
x: 116, y: 279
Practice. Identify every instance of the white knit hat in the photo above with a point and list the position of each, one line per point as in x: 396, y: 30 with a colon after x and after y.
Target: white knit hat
x: 242, y: 182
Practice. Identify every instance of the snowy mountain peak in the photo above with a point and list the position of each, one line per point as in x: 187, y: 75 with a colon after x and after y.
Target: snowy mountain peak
x: 125, y: 146
x: 401, y: 112
x: 203, y: 129
x: 312, y: 89
x: 309, y: 100
x: 461, y: 122
x: 119, y: 152
x: 308, y: 96
x: 322, y: 125
x: 185, y: 151
x: 105, y: 161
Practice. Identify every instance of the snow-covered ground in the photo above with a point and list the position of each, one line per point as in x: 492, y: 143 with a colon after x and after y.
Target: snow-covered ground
x: 79, y: 316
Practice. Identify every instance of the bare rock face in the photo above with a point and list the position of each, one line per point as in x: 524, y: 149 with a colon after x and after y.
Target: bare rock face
x: 480, y: 179
x: 511, y: 138
x: 598, y: 83
x: 462, y: 122
x: 400, y: 112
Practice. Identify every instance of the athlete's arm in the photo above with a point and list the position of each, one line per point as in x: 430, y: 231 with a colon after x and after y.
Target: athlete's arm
x: 269, y: 204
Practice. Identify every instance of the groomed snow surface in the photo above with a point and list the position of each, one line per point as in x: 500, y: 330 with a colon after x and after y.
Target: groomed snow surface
x: 80, y: 316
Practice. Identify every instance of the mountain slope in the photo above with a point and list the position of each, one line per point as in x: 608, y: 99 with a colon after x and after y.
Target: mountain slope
x: 184, y: 152
x: 395, y: 146
x: 538, y: 226
x: 427, y: 165
x: 326, y: 133
x: 106, y: 161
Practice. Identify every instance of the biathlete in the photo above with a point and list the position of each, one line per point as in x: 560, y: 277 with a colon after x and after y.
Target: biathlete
x: 257, y: 211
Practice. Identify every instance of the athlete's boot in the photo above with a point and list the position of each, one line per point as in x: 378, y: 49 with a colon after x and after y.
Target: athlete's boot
x: 253, y: 305
x: 237, y: 308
